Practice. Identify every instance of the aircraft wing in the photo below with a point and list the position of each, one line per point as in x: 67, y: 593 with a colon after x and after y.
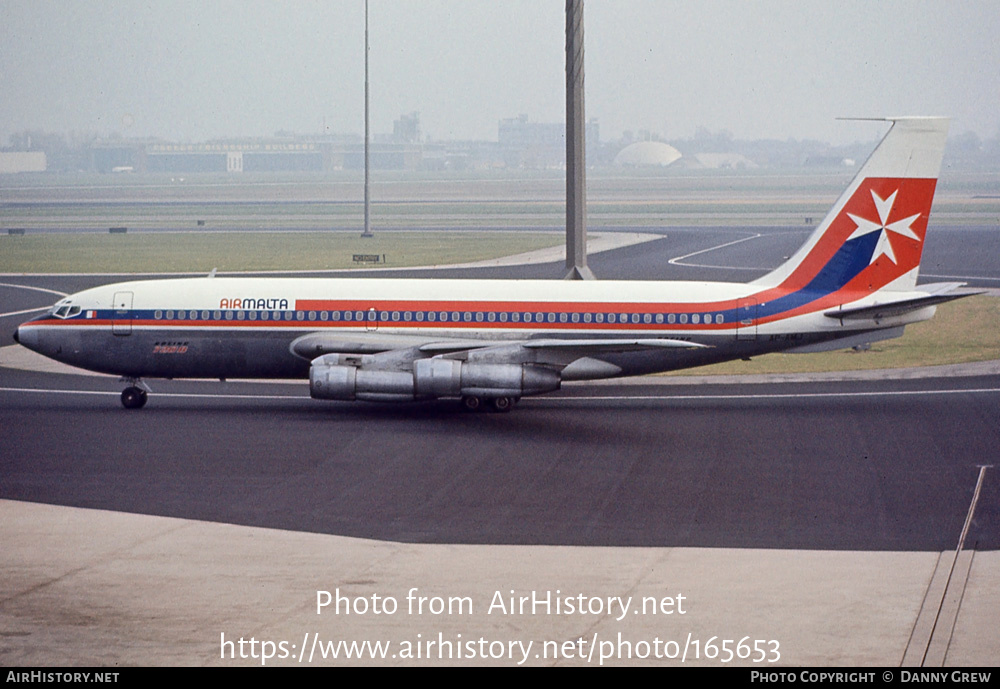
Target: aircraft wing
x: 313, y: 345
x: 937, y: 293
x: 562, y: 352
x: 549, y: 351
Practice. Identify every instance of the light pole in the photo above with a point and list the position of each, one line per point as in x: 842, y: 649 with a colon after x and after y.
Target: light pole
x: 368, y: 227
x: 576, y: 148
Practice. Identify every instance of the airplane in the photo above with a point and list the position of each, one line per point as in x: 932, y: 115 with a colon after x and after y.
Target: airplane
x: 491, y: 342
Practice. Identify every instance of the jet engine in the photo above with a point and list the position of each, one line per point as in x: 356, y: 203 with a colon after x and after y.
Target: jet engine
x: 345, y: 377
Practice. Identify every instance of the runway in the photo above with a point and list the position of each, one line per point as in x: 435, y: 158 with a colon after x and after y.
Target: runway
x: 830, y: 516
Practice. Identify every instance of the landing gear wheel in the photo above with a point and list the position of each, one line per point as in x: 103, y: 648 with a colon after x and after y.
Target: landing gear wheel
x: 134, y: 398
x: 502, y: 404
x: 472, y: 403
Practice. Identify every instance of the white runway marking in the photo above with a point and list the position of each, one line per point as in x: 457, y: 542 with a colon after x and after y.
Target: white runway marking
x: 21, y: 313
x: 771, y: 396
x: 677, y: 261
x: 160, y: 394
x: 558, y: 400
x: 37, y: 289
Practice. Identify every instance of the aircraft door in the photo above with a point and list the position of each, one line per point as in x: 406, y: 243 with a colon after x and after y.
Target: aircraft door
x: 371, y: 320
x: 121, y: 318
x: 746, y: 319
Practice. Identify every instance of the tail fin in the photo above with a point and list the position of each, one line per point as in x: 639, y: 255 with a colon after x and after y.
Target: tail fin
x: 873, y: 237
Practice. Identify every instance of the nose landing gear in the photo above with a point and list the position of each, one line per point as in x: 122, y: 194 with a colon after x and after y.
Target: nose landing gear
x: 134, y: 397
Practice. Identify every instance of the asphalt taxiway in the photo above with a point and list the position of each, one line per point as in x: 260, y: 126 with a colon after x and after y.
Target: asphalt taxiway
x: 853, y: 522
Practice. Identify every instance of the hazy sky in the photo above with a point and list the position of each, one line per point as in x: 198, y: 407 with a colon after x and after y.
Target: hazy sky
x: 193, y: 70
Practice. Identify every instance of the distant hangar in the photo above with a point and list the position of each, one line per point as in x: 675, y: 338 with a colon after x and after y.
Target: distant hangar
x: 647, y: 154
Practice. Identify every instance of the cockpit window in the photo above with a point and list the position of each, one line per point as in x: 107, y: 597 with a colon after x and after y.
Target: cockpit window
x: 65, y: 310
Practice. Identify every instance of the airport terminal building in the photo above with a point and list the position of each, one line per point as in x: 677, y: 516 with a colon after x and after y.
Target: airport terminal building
x: 291, y: 155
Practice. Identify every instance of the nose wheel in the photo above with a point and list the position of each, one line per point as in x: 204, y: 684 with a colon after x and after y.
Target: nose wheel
x: 135, y: 395
x: 134, y: 398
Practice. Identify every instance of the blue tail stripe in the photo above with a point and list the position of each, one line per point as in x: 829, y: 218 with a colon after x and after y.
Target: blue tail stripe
x: 852, y: 258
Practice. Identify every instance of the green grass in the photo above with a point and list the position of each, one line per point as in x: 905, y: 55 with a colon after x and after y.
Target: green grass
x: 961, y: 331
x: 231, y: 251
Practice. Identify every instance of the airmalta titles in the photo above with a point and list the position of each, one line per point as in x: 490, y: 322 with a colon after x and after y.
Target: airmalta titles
x: 254, y: 304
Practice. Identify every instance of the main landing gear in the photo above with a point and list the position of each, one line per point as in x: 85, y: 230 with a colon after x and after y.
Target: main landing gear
x: 134, y: 397
x: 497, y: 404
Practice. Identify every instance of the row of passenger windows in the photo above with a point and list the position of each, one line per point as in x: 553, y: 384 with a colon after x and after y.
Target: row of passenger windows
x: 443, y: 316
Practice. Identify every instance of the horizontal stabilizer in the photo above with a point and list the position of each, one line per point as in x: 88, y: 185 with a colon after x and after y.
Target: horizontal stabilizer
x: 937, y: 294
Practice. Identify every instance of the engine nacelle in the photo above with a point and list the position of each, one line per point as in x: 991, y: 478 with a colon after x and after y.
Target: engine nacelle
x: 451, y: 378
x: 337, y: 382
x: 331, y: 377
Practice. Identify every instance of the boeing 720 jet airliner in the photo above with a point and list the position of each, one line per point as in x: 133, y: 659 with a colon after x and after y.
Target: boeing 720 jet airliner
x: 491, y: 342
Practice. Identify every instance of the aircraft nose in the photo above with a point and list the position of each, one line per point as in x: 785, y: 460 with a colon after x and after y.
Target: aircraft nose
x: 26, y: 337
